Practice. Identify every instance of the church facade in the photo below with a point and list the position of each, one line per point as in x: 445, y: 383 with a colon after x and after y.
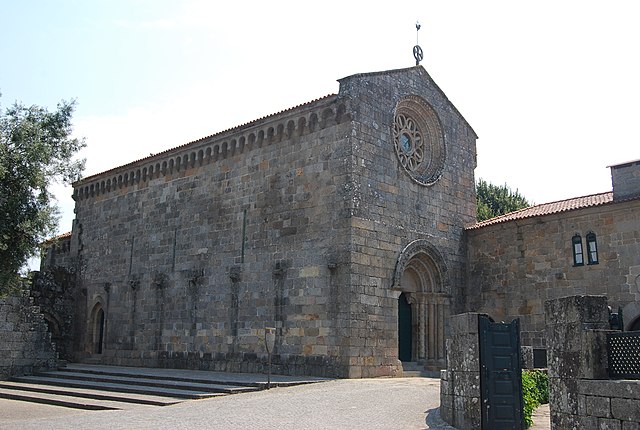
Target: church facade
x: 348, y: 224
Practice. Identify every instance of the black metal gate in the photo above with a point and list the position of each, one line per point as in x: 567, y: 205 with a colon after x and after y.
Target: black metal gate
x: 500, y: 375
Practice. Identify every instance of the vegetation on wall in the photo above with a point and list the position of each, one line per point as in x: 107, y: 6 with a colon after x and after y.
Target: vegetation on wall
x: 36, y: 149
x: 494, y: 200
x: 535, y: 392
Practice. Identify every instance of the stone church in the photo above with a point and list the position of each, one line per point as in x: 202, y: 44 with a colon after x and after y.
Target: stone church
x: 348, y: 224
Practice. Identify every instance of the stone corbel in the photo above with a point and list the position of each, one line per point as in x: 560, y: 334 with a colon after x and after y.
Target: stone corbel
x: 134, y: 282
x: 279, y: 269
x: 234, y: 273
x: 160, y: 280
x: 195, y: 277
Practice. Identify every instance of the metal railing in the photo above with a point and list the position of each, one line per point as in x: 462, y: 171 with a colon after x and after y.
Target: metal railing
x: 623, y: 351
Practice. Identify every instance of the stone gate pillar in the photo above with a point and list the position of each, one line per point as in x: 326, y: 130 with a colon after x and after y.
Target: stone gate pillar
x: 460, y: 383
x: 576, y: 329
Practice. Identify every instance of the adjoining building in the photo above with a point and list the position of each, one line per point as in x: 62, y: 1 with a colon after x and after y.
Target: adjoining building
x: 348, y: 224
x: 584, y: 245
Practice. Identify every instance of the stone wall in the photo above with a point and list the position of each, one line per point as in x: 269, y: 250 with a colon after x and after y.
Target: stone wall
x: 609, y: 404
x: 392, y: 211
x: 460, y: 382
x: 580, y: 396
x: 514, y: 267
x: 53, y: 291
x: 25, y: 343
x: 297, y: 221
x: 189, y: 261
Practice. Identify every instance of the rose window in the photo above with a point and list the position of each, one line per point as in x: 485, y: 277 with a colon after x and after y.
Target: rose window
x: 409, y: 143
x: 418, y: 140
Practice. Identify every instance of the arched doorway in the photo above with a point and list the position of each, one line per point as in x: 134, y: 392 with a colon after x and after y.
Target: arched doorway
x: 423, y: 300
x: 97, y: 326
x: 405, y: 329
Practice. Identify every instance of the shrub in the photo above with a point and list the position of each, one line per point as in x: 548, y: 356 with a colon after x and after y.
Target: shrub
x: 535, y: 391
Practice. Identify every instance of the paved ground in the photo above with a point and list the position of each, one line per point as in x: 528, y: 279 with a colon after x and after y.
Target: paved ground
x: 401, y: 403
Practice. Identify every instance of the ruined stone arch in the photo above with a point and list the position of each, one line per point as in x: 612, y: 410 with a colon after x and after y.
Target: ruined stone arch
x: 421, y: 278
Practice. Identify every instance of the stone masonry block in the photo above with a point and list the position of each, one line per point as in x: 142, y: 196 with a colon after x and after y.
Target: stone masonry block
x: 446, y: 387
x: 628, y: 425
x: 584, y: 422
x: 576, y: 309
x: 594, y: 359
x: 464, y: 355
x: 609, y: 424
x: 466, y: 384
x: 627, y: 389
x: 625, y: 409
x: 564, y: 337
x: 446, y: 409
x: 466, y: 323
x: 467, y: 413
x: 597, y: 407
x: 563, y: 396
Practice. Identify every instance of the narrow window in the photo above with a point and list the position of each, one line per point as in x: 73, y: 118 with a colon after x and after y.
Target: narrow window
x: 592, y: 248
x: 578, y: 259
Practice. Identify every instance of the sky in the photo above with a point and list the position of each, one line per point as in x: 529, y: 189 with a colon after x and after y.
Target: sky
x: 550, y: 87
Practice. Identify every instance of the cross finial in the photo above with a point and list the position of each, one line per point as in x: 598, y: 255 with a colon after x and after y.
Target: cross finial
x: 417, y: 50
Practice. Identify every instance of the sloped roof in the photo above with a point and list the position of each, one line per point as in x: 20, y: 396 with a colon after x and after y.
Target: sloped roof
x: 160, y: 154
x: 550, y: 208
x: 52, y: 240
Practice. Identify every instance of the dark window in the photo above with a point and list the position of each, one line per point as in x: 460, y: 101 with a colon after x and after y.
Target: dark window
x: 578, y: 257
x: 592, y: 248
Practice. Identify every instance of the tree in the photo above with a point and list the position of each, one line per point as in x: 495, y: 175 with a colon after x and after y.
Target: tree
x: 495, y: 200
x: 36, y: 149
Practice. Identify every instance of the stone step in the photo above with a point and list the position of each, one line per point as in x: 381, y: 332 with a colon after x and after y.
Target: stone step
x: 154, y: 373
x: 146, y: 381
x: 88, y: 386
x: 132, y: 398
x: 117, y: 387
x: 67, y: 401
x: 412, y: 369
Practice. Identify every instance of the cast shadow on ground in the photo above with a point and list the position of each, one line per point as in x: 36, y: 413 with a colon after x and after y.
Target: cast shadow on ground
x: 435, y: 422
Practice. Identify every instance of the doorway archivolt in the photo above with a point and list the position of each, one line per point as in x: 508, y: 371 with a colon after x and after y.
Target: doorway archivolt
x: 420, y: 277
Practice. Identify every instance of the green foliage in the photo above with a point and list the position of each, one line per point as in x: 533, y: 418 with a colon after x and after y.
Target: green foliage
x: 496, y: 200
x: 535, y: 391
x: 35, y: 150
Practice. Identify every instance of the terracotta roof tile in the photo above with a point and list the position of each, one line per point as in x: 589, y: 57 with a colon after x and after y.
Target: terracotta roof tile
x: 57, y: 238
x: 550, y: 208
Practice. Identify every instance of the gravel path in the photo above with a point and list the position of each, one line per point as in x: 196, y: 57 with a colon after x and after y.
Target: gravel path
x: 400, y: 403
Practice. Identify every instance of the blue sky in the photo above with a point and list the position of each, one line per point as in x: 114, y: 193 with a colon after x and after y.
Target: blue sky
x: 551, y: 87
